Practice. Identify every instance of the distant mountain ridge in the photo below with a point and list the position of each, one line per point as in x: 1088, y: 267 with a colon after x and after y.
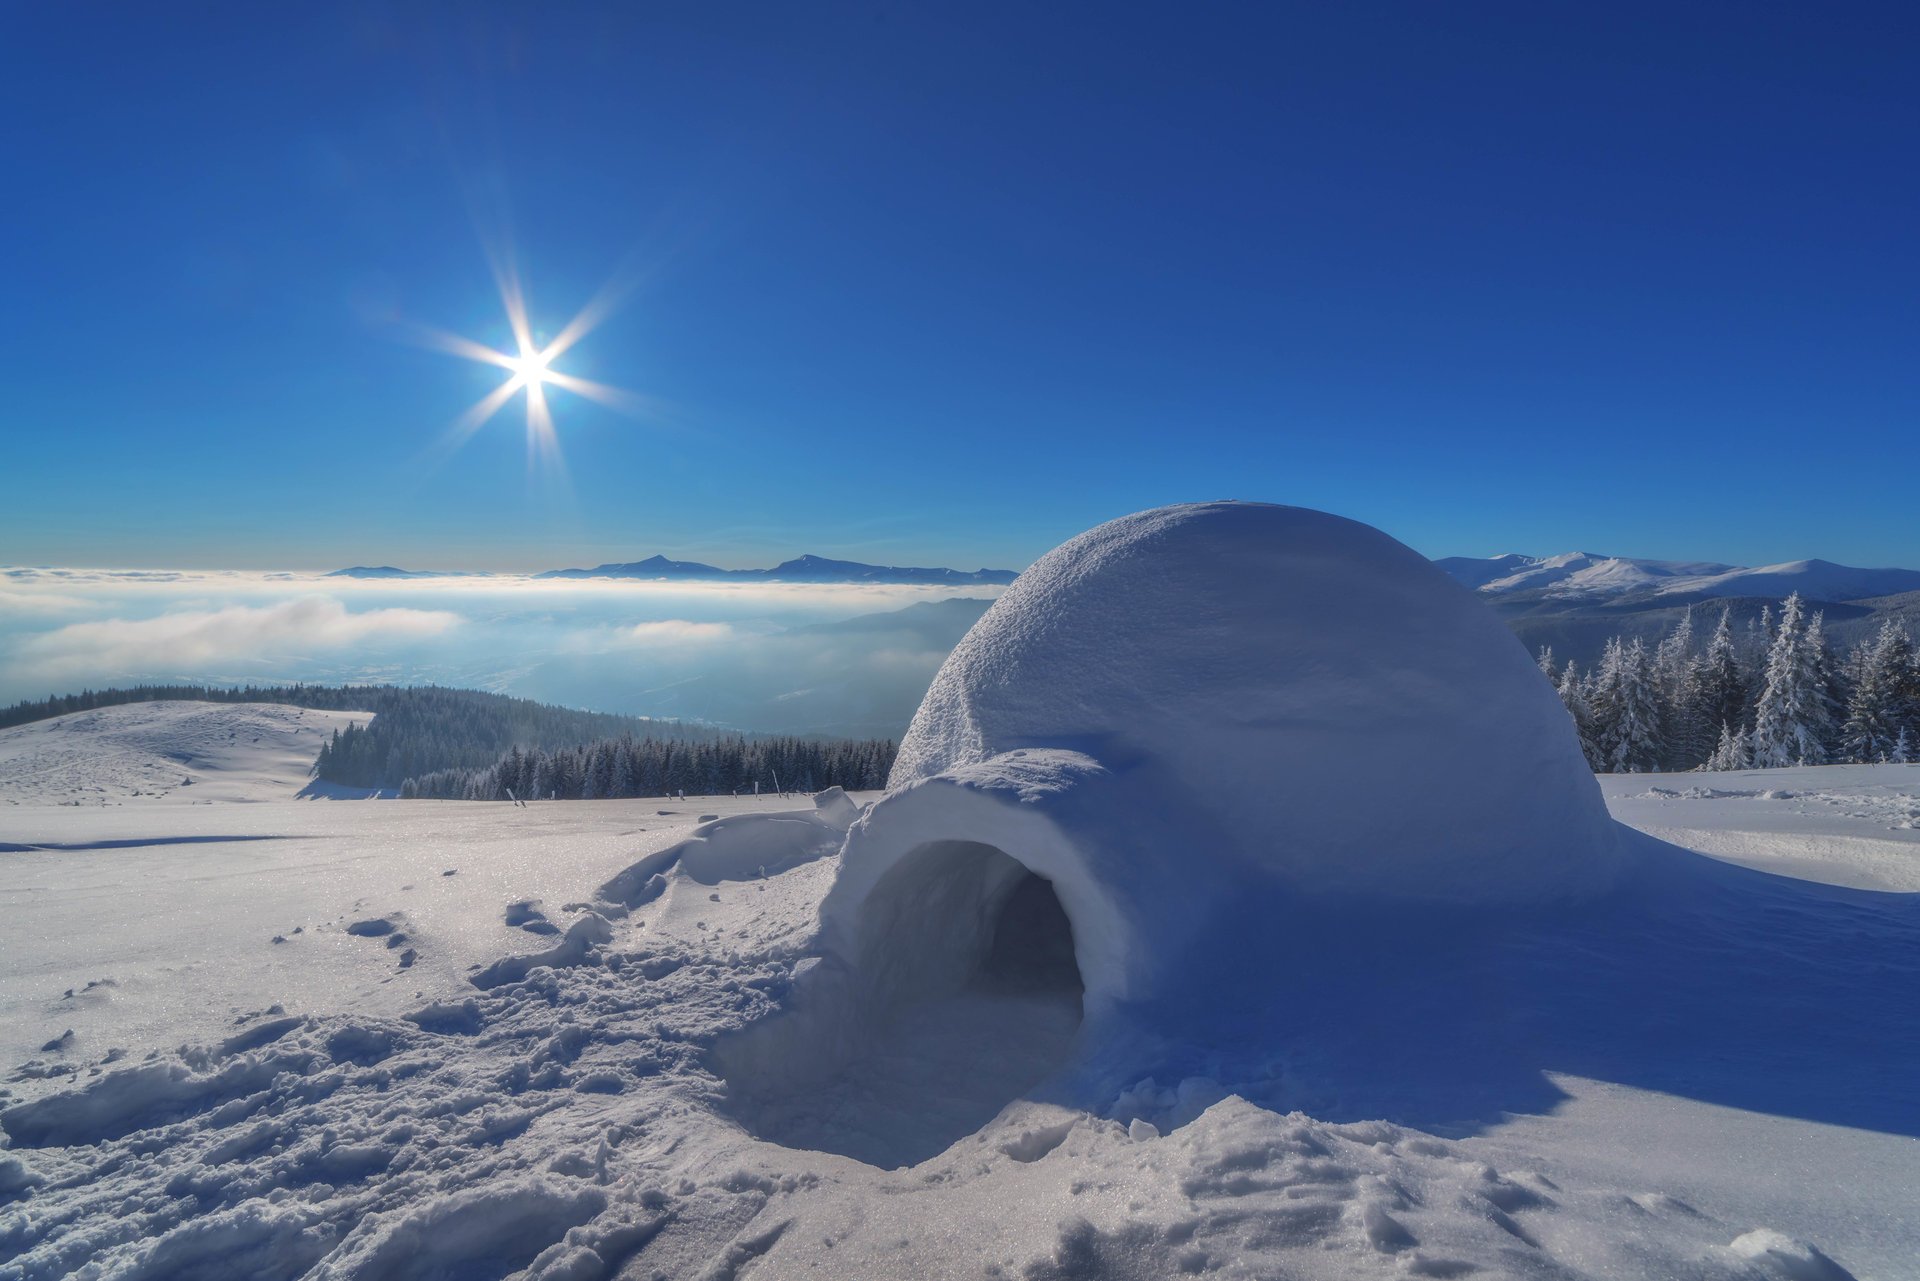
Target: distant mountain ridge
x: 388, y: 571
x: 801, y: 569
x: 1592, y: 577
x: 1576, y: 601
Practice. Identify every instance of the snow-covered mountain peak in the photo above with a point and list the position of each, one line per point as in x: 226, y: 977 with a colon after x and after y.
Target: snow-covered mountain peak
x: 1592, y: 575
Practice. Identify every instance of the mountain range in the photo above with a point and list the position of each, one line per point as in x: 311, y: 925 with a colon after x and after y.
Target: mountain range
x: 1590, y: 575
x: 801, y: 569
x: 1576, y: 601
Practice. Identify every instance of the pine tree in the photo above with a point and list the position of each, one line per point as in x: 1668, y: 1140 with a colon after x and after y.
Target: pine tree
x: 1831, y: 685
x: 1732, y: 752
x: 1878, y: 709
x: 1687, y: 738
x: 1627, y: 709
x: 1791, y: 720
x: 1721, y: 686
x: 1675, y: 653
x: 1573, y: 697
x: 1637, y: 747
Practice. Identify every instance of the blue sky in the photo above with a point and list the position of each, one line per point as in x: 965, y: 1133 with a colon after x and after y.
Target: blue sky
x: 947, y: 284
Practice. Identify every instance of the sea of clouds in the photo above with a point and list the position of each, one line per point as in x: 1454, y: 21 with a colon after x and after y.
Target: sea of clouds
x: 779, y: 657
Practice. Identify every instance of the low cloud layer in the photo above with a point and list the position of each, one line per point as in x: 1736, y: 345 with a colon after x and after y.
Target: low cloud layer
x: 194, y: 639
x: 800, y: 658
x: 680, y: 631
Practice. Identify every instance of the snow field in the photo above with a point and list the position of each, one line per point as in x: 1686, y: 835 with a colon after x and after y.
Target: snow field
x: 178, y: 752
x: 1851, y: 825
x: 574, y: 1122
x: 140, y: 927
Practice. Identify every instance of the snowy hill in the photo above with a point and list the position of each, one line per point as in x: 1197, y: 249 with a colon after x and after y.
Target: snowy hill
x: 1589, y: 575
x: 179, y: 752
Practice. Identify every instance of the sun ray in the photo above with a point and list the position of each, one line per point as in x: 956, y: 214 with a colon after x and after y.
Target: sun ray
x: 455, y: 345
x: 630, y: 403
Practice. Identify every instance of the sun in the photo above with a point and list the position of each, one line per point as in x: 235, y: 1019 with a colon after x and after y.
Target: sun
x: 530, y: 367
x: 531, y: 371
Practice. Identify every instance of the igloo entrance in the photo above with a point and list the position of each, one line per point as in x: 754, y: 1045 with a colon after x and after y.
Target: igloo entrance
x: 965, y: 993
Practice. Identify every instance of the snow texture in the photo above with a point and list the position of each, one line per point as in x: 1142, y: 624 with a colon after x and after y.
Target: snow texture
x: 572, y: 1124
x: 1275, y: 654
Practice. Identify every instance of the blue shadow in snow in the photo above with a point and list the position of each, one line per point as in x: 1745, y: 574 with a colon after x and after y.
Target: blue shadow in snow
x: 1697, y: 978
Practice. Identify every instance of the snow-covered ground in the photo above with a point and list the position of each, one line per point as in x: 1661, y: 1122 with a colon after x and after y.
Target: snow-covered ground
x: 1853, y: 825
x: 1709, y: 1075
x: 180, y: 752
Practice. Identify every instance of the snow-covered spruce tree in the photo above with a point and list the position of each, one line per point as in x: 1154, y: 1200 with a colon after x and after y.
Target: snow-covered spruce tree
x: 1721, y: 685
x: 1755, y: 647
x: 1881, y: 703
x: 1545, y: 662
x: 1686, y: 738
x: 1627, y: 709
x: 1690, y: 735
x: 1601, y: 689
x: 1732, y: 752
x: 1791, y: 721
x: 1573, y: 697
x: 1902, y: 753
x: 1832, y: 680
x: 1675, y: 653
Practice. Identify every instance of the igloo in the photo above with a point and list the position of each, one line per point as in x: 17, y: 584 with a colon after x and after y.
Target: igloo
x: 1168, y: 725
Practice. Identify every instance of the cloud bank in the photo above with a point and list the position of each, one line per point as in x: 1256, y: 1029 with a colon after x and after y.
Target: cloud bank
x: 794, y: 658
x: 192, y: 639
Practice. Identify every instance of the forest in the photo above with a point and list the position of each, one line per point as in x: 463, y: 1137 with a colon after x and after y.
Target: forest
x: 627, y: 767
x: 1770, y: 695
x: 412, y: 730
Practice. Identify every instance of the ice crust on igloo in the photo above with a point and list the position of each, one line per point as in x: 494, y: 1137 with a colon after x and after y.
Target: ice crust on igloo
x: 1330, y: 708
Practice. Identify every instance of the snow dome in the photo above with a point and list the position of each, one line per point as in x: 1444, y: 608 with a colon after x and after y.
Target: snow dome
x: 1172, y: 729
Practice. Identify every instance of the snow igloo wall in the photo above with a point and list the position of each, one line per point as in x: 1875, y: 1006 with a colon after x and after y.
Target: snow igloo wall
x: 1166, y: 722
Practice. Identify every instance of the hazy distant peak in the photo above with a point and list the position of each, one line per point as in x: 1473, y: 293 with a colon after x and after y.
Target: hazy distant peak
x: 380, y: 571
x: 807, y: 569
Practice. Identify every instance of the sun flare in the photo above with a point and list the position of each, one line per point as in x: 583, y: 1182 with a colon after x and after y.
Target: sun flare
x: 531, y: 371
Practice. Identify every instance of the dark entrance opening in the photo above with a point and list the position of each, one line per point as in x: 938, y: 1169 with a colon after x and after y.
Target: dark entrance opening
x: 965, y: 995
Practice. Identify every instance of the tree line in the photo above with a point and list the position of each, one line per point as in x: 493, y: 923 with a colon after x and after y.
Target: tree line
x: 412, y: 730
x: 627, y: 767
x: 353, y: 698
x: 1773, y: 695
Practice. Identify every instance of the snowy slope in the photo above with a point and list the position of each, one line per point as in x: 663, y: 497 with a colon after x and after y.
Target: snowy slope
x: 182, y: 752
x: 1586, y: 574
x: 1545, y: 1098
x: 1851, y: 825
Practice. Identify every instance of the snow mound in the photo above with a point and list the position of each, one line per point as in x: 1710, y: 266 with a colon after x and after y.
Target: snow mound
x: 1280, y: 655
x: 1179, y: 720
x: 181, y: 752
x: 1156, y: 747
